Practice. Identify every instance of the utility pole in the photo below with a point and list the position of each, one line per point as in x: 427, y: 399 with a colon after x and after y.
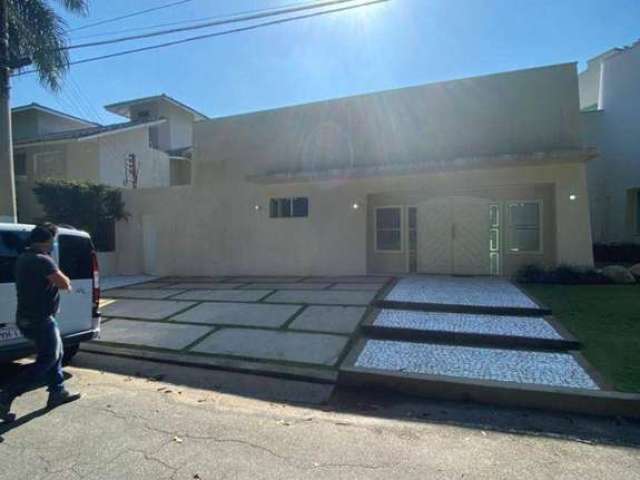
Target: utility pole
x: 8, y: 211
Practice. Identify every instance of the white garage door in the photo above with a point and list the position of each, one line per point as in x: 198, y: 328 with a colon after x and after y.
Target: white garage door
x: 453, y: 236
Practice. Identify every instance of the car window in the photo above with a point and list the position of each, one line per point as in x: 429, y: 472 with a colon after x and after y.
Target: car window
x: 12, y: 244
x: 75, y: 256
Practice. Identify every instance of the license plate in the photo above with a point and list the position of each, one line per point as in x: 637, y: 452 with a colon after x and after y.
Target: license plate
x: 9, y: 332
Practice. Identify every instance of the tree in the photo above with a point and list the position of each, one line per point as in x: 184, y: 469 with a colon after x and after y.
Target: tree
x: 36, y: 31
x: 30, y: 31
x: 85, y: 205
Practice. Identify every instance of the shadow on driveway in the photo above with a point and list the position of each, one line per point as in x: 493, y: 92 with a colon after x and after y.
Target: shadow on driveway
x: 379, y: 403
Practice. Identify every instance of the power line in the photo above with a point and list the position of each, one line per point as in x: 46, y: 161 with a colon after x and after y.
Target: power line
x: 128, y: 15
x: 207, y: 24
x: 192, y: 20
x: 216, y: 34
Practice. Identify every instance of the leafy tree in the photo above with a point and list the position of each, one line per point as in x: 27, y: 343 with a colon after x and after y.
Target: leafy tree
x: 37, y: 31
x: 84, y: 205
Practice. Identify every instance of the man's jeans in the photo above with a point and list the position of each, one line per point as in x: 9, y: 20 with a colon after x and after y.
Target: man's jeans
x: 47, y: 369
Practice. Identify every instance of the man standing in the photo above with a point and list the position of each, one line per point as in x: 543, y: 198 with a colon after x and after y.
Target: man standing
x: 38, y: 280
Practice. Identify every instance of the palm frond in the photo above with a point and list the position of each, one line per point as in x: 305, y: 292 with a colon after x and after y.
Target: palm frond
x: 38, y: 32
x: 80, y: 7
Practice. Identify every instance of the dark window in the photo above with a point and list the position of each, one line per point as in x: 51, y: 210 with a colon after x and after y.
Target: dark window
x: 301, y: 207
x: 12, y: 244
x: 289, y: 207
x: 75, y: 256
x: 154, y: 137
x: 20, y: 164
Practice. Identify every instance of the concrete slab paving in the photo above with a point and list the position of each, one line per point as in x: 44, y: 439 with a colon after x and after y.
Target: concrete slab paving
x: 206, y: 285
x: 357, y: 286
x: 349, y: 279
x: 468, y: 291
x: 322, y: 297
x: 287, y: 286
x: 118, y: 281
x: 151, y: 334
x: 531, y: 327
x: 540, y: 368
x: 224, y: 295
x: 151, y: 285
x: 311, y: 348
x: 265, y: 279
x: 174, y: 279
x: 329, y: 319
x: 151, y: 294
x: 144, y: 309
x: 257, y: 315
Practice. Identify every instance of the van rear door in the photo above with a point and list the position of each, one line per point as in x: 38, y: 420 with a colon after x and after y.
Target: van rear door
x: 12, y: 244
x: 75, y: 254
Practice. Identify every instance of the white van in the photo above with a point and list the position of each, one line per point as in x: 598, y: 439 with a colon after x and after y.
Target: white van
x: 79, y: 317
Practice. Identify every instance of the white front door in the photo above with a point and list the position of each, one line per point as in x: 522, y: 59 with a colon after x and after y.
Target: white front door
x: 435, y: 249
x: 453, y: 236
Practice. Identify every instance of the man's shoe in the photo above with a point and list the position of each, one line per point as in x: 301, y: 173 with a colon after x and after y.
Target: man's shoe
x: 5, y: 409
x: 60, y: 398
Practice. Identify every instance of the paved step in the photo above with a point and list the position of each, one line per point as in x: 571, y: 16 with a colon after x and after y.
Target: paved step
x: 535, y: 332
x: 548, y: 380
x: 486, y: 295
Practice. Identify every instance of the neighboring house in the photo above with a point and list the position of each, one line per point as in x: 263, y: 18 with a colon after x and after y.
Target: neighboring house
x: 610, y: 102
x: 148, y: 150
x: 475, y: 176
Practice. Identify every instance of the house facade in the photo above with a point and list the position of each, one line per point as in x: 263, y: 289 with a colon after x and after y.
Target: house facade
x: 142, y: 152
x: 610, y: 100
x: 474, y: 176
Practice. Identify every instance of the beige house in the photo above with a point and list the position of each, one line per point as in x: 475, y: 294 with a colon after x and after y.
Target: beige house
x: 473, y: 176
x: 150, y: 149
x: 610, y: 99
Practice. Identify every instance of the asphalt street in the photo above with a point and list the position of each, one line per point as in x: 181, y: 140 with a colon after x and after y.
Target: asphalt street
x: 141, y: 420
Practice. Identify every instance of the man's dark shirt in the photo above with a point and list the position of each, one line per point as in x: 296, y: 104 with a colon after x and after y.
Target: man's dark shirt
x: 38, y: 298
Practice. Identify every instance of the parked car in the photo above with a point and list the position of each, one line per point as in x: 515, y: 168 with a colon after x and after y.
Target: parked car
x: 79, y: 317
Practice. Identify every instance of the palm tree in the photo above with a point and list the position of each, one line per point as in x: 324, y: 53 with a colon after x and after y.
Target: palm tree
x: 38, y: 32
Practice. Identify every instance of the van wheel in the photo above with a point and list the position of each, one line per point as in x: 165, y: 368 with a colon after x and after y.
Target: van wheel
x: 69, y: 352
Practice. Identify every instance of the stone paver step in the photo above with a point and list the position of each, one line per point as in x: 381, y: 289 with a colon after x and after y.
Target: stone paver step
x: 469, y: 329
x: 460, y: 294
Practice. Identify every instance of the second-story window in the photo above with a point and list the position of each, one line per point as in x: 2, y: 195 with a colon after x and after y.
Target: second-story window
x: 153, y: 137
x: 296, y: 207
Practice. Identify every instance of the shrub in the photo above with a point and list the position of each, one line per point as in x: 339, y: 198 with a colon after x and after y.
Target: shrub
x: 563, y: 274
x: 85, y: 205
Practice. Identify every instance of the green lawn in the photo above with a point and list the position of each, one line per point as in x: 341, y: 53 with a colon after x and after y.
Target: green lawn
x: 606, y: 319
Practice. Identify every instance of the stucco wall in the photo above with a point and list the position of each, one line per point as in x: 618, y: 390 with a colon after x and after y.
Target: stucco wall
x: 177, y: 132
x: 524, y: 111
x: 49, y: 123
x: 114, y: 150
x: 214, y: 227
x: 24, y: 124
x: 219, y: 231
x: 615, y: 132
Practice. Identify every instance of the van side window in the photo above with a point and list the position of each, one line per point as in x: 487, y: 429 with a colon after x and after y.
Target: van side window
x: 12, y: 244
x: 75, y: 256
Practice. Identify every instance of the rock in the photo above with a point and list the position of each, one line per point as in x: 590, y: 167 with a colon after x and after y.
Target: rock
x: 618, y: 274
x: 635, y: 271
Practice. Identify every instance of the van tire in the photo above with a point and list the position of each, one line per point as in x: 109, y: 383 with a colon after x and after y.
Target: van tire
x: 69, y: 352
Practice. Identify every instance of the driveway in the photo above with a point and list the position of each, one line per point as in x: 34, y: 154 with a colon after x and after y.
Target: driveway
x: 295, y: 326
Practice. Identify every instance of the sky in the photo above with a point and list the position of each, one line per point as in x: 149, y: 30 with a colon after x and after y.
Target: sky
x: 385, y: 46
